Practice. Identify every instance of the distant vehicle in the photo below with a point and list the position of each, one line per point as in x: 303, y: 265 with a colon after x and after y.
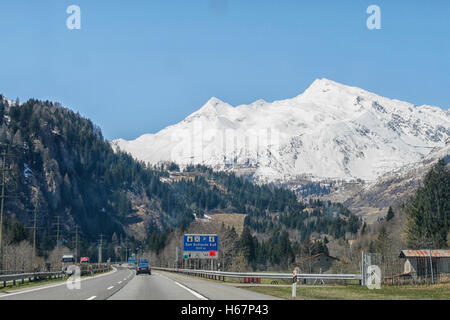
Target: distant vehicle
x: 84, y: 260
x: 67, y: 261
x: 143, y: 267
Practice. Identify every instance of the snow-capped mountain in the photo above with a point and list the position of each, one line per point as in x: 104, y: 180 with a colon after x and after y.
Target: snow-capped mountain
x: 330, y: 131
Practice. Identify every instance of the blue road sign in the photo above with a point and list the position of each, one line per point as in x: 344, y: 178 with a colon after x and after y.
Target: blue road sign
x: 201, y: 242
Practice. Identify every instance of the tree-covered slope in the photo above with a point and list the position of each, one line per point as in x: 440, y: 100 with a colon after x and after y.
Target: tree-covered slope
x: 59, y: 163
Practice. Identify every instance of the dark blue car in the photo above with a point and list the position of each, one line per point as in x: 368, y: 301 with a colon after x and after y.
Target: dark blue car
x: 143, y: 267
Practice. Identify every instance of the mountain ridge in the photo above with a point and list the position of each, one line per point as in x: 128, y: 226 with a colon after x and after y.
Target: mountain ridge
x: 330, y: 131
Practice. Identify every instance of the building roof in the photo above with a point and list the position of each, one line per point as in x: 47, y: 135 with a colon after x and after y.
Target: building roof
x: 314, y: 257
x: 424, y: 253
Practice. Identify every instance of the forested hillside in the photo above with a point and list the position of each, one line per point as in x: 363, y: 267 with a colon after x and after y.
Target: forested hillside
x: 59, y: 164
x: 428, y: 212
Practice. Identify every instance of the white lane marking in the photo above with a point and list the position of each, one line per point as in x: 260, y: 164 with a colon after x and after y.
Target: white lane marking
x: 119, y: 282
x: 56, y: 285
x: 110, y: 288
x: 191, y: 291
x: 91, y: 298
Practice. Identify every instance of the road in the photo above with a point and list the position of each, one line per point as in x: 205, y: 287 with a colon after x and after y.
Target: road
x: 99, y: 287
x: 124, y: 284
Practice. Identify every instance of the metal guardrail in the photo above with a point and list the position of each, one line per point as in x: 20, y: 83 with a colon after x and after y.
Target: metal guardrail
x: 223, y: 274
x: 95, y: 270
x: 216, y: 275
x: 30, y: 276
x: 35, y: 276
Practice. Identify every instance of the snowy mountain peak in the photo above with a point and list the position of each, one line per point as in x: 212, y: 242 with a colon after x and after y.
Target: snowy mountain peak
x: 214, y: 102
x: 320, y: 86
x: 211, y: 108
x: 330, y: 131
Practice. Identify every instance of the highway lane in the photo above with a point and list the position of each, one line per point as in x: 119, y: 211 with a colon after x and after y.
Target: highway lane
x: 99, y: 287
x: 153, y: 287
x: 124, y: 284
x: 168, y: 286
x: 214, y: 290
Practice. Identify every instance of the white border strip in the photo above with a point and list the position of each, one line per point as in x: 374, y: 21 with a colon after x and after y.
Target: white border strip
x: 55, y: 285
x: 191, y: 291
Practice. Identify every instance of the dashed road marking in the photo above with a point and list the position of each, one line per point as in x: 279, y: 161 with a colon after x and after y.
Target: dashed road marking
x: 91, y: 298
x: 110, y: 288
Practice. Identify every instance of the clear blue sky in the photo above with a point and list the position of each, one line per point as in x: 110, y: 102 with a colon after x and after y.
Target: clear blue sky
x: 136, y: 67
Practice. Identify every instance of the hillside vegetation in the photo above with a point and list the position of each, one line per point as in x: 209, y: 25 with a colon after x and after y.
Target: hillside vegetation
x: 60, y: 164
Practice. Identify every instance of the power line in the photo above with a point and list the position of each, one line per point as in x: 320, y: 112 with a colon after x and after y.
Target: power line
x: 76, y: 242
x: 58, y: 231
x: 100, y: 249
x: 35, y: 227
x: 3, y: 169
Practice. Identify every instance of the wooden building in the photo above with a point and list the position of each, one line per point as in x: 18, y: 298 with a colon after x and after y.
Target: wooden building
x: 318, y: 263
x: 426, y: 264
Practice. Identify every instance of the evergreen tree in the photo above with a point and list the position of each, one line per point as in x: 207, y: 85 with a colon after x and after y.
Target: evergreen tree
x: 390, y: 214
x: 383, y: 243
x: 247, y: 244
x: 429, y: 210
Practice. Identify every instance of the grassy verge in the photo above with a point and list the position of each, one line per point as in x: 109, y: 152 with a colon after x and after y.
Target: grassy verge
x: 356, y: 292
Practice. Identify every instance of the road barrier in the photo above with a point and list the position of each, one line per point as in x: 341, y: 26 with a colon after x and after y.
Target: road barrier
x: 36, y: 276
x: 220, y: 275
x: 30, y: 276
x: 217, y: 275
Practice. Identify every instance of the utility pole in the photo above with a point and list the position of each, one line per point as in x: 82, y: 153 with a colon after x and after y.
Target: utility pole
x: 76, y: 242
x: 4, y: 169
x: 100, y: 249
x: 35, y: 227
x: 58, y: 230
x: 2, y: 198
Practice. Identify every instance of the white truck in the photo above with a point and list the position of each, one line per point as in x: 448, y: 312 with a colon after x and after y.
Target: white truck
x: 67, y: 261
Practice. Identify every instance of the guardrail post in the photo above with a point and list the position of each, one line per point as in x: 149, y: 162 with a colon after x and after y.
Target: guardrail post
x: 294, y: 285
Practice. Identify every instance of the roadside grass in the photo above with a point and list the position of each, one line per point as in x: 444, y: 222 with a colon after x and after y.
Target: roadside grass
x: 357, y: 292
x: 29, y: 284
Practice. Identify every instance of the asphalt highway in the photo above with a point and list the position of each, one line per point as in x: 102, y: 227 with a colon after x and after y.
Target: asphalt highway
x: 99, y: 287
x: 124, y: 284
